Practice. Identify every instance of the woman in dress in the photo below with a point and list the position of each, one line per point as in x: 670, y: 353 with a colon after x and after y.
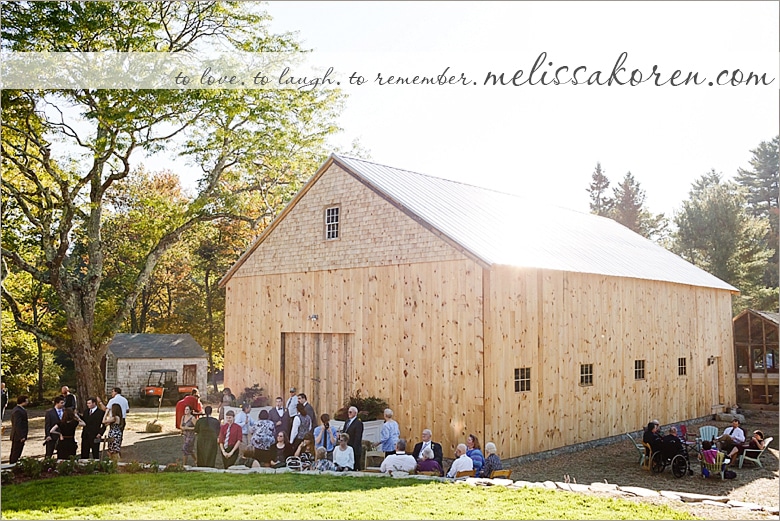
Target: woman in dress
x: 280, y: 451
x: 305, y: 451
x: 475, y: 453
x: 262, y: 438
x: 428, y: 464
x: 116, y: 422
x: 493, y: 462
x: 343, y: 455
x: 188, y: 433
x: 322, y: 462
x: 66, y: 428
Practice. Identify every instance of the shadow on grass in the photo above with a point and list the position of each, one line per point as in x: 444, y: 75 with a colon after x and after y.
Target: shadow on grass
x: 114, y: 489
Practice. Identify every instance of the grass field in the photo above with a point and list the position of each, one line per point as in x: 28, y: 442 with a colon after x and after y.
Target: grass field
x: 295, y: 496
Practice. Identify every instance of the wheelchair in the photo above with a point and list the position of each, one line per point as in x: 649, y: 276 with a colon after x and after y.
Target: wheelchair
x: 674, y: 455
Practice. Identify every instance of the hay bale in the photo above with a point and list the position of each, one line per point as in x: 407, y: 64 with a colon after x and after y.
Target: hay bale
x: 153, y: 426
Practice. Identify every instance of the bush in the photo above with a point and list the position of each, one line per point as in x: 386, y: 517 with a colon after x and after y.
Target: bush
x: 90, y: 467
x: 369, y: 407
x: 29, y: 467
x: 154, y: 467
x: 7, y: 477
x: 134, y: 467
x: 174, y: 467
x: 253, y: 396
x: 68, y: 467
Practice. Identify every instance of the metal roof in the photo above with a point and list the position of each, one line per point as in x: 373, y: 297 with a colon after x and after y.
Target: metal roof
x: 146, y: 345
x: 506, y: 229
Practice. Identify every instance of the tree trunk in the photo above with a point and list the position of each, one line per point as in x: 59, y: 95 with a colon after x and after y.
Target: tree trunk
x: 90, y: 381
x: 211, y: 332
x: 40, y: 350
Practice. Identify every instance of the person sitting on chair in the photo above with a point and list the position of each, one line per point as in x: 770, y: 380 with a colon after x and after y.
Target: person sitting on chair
x: 731, y: 437
x: 400, y: 461
x: 653, y: 437
x: 462, y: 461
x: 756, y: 443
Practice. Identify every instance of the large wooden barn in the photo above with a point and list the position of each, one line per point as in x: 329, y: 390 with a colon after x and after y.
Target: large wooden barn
x: 474, y: 311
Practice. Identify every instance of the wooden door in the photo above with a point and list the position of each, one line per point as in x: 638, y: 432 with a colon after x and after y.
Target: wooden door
x: 317, y: 364
x: 190, y: 375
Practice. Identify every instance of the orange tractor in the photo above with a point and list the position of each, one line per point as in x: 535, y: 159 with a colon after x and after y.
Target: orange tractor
x: 162, y: 385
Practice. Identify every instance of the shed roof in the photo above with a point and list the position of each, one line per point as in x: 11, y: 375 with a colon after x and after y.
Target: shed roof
x: 766, y: 315
x: 497, y: 228
x: 147, y: 345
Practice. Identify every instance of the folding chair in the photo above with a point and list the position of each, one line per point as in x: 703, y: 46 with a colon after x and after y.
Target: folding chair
x: 501, y: 474
x: 465, y: 474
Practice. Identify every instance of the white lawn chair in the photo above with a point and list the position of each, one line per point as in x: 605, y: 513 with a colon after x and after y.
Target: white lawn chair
x: 708, y: 432
x: 755, y: 454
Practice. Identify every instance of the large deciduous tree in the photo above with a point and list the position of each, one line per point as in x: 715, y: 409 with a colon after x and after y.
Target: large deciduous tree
x: 64, y: 151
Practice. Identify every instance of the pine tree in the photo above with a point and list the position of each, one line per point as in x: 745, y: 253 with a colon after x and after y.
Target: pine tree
x: 763, y: 190
x: 600, y: 204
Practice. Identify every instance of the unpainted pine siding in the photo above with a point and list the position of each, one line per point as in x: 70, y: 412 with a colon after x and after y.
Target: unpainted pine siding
x: 554, y: 321
x: 412, y: 302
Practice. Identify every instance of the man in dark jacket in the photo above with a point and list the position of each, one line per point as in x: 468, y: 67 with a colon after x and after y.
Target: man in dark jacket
x: 309, y: 410
x: 438, y: 453
x: 94, y: 428
x: 52, y: 418
x: 19, y: 429
x: 207, y: 430
x: 279, y: 416
x: 354, y: 427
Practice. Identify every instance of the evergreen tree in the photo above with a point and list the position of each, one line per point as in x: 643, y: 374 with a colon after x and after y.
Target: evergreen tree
x: 761, y: 184
x: 628, y: 208
x: 716, y: 233
x: 600, y: 203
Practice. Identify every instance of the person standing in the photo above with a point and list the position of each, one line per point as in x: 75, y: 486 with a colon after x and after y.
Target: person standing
x: 245, y: 422
x: 309, y: 409
x: 116, y: 423
x: 228, y: 399
x: 93, y: 428
x: 193, y: 401
x: 292, y: 410
x: 70, y: 398
x: 301, y: 427
x: 207, y: 431
x: 3, y: 399
x: 116, y: 397
x: 389, y: 434
x: 19, y: 428
x: 65, y: 430
x: 354, y: 428
x: 52, y: 418
x: 187, y: 427
x: 280, y: 417
x: 229, y: 440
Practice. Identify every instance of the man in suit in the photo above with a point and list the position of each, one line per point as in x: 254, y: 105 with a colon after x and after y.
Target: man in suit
x: 309, y: 409
x: 279, y: 416
x: 354, y: 427
x: 94, y: 428
x: 438, y: 454
x: 19, y: 429
x: 52, y: 418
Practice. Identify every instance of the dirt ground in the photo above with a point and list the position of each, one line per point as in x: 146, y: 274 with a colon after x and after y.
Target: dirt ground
x: 615, y: 463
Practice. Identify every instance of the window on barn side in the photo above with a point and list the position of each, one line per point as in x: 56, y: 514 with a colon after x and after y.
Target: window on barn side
x: 522, y: 379
x: 639, y: 369
x: 332, y: 223
x: 586, y: 374
x: 682, y: 368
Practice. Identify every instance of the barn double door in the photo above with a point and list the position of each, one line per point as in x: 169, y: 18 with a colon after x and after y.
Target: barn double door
x: 317, y: 364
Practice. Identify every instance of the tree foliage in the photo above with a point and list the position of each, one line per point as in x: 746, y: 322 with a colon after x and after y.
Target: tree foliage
x: 716, y: 233
x: 65, y: 153
x: 600, y: 203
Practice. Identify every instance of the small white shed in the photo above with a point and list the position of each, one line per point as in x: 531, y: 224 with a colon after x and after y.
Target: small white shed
x: 131, y: 356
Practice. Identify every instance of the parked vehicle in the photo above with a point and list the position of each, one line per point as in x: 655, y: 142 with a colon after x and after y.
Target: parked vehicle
x: 163, y: 384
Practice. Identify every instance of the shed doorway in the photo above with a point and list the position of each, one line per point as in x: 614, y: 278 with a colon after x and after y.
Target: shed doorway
x: 317, y: 364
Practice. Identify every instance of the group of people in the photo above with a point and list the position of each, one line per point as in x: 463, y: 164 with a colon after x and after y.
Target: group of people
x: 732, y: 442
x: 62, y: 421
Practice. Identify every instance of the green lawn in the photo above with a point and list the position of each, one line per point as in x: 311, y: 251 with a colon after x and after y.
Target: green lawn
x: 295, y: 496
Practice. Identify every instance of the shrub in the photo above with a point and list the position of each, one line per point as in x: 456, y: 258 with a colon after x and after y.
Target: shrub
x: 7, y: 477
x: 134, y: 467
x: 253, y: 396
x: 91, y: 466
x: 29, y: 467
x: 369, y: 407
x: 68, y: 466
x: 49, y: 464
x: 174, y: 467
x: 154, y: 467
x: 106, y: 466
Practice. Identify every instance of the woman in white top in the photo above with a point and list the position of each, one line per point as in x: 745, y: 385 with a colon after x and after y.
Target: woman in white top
x: 343, y: 455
